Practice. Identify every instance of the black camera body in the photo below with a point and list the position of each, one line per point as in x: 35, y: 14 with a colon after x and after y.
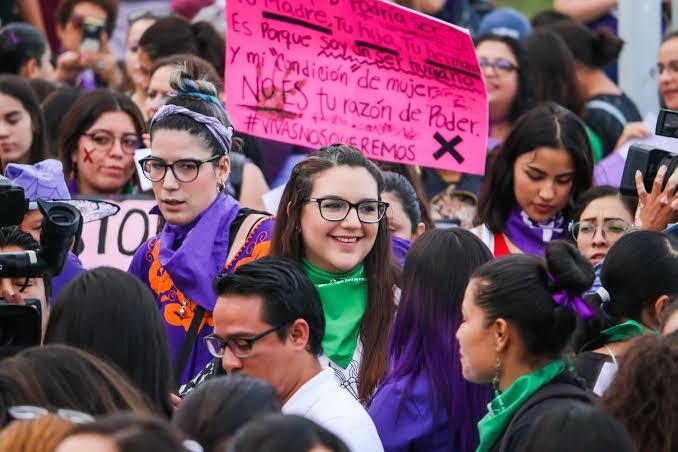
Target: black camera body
x: 20, y: 326
x: 648, y: 158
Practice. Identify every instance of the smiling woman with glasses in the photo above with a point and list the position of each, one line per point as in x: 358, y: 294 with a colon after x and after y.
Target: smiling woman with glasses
x: 331, y: 219
x: 206, y: 231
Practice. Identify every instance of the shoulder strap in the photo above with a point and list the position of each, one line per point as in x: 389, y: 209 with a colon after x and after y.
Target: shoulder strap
x: 608, y: 108
x: 199, y: 313
x: 188, y: 342
x: 238, y: 162
x: 550, y: 391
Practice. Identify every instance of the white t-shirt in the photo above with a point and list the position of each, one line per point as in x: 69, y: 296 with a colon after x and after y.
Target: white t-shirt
x: 322, y: 400
x: 346, y: 378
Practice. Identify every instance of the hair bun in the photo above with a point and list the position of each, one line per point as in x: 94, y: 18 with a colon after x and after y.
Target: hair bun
x: 605, y: 47
x: 568, y: 267
x: 184, y: 85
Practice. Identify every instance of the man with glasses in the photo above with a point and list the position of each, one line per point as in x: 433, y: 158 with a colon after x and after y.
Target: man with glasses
x: 269, y: 324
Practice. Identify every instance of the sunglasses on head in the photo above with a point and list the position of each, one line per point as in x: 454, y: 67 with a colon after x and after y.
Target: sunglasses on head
x: 137, y: 15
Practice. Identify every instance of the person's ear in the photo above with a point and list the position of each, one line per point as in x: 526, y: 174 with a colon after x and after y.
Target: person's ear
x: 224, y: 169
x: 298, y: 334
x: 501, y: 332
x: 421, y: 228
x: 660, y: 304
x: 29, y: 68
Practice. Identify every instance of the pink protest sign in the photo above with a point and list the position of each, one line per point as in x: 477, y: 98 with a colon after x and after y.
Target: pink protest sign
x: 114, y: 240
x: 400, y: 86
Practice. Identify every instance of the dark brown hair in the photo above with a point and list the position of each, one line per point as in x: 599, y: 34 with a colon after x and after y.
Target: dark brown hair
x: 18, y: 88
x: 85, y: 112
x: 173, y: 35
x: 551, y: 71
x: 381, y: 276
x: 66, y: 7
x: 643, y: 396
x: 59, y: 376
x: 593, y: 49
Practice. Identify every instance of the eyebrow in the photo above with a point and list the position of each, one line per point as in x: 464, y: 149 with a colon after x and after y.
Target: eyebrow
x: 12, y: 113
x: 604, y: 219
x: 540, y: 171
x: 342, y: 199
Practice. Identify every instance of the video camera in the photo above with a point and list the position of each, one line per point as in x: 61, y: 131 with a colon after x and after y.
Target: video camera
x: 648, y: 158
x: 20, y: 325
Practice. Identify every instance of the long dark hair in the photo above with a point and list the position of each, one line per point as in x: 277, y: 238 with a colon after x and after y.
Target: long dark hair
x: 16, y: 87
x: 423, y: 335
x: 381, y: 276
x: 551, y: 71
x: 547, y: 125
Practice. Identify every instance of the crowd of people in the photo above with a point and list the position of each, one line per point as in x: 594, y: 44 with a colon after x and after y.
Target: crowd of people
x: 383, y: 307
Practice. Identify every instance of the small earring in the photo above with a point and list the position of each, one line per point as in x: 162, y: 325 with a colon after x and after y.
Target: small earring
x: 495, y: 379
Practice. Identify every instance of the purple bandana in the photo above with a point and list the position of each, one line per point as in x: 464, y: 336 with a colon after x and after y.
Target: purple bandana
x: 202, y: 251
x: 530, y: 236
x: 223, y: 134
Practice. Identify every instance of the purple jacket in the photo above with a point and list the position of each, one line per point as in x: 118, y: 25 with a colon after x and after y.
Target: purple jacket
x: 72, y: 268
x: 404, y: 418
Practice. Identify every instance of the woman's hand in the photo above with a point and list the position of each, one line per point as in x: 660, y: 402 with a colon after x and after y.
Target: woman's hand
x: 68, y: 67
x: 105, y: 66
x: 631, y: 131
x: 658, y: 208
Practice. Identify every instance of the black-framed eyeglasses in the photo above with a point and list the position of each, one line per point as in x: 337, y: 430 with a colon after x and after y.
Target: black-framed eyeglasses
x: 611, y: 229
x: 184, y: 170
x: 499, y: 65
x: 30, y: 412
x: 336, y: 209
x: 103, y: 140
x: 241, y: 347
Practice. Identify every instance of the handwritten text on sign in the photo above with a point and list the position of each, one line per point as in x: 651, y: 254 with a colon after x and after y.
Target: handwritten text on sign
x: 114, y: 240
x: 398, y: 85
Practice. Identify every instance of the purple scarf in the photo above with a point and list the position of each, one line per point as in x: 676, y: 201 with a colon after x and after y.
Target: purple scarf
x: 531, y: 237
x: 194, y: 254
x: 399, y: 249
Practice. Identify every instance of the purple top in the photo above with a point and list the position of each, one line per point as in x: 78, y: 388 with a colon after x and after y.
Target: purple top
x: 404, y: 418
x: 179, y: 265
x: 609, y: 170
x: 72, y: 268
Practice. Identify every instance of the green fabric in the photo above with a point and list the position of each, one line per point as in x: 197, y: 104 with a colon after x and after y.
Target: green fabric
x: 505, y: 405
x: 625, y: 331
x: 596, y: 145
x: 344, y: 300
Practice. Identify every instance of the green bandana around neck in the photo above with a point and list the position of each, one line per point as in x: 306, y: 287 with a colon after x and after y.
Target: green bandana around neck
x: 344, y: 300
x: 625, y: 330
x: 505, y: 405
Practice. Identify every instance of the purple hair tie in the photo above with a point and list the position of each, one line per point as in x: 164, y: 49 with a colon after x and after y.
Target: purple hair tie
x: 11, y: 37
x: 223, y: 134
x: 572, y: 302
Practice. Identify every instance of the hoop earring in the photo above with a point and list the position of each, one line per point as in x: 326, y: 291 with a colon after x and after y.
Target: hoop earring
x: 220, y: 187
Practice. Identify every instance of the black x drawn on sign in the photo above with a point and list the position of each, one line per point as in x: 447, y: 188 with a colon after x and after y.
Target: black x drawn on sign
x: 448, y: 147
